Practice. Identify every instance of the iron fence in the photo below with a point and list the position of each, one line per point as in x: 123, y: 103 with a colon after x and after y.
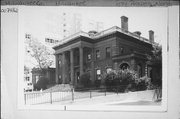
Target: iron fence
x: 39, y: 97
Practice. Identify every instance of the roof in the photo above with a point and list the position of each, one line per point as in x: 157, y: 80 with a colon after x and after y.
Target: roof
x: 103, y: 33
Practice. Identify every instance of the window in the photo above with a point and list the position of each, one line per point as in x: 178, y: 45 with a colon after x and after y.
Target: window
x: 98, y: 74
x: 124, y: 66
x: 27, y: 78
x: 37, y: 78
x: 56, y: 41
x: 51, y: 41
x: 97, y: 54
x: 108, y: 51
x: 149, y: 72
x: 139, y: 70
x: 59, y: 63
x: 28, y: 36
x: 108, y: 70
x: 89, y: 56
x: 121, y: 50
x: 47, y: 40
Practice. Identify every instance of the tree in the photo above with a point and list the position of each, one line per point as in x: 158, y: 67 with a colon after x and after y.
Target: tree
x: 157, y: 52
x: 41, y: 53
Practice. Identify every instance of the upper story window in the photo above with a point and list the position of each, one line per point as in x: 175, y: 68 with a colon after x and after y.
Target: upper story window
x: 108, y: 52
x: 36, y: 78
x: 97, y: 54
x: 121, y: 50
x: 28, y: 36
x: 27, y: 78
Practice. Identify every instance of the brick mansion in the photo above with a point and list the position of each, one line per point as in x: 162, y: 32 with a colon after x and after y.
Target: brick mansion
x: 98, y: 52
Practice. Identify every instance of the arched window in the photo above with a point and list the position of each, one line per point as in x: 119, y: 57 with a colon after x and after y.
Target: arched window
x: 124, y: 66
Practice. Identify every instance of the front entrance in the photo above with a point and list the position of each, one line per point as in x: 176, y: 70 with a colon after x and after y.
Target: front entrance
x: 76, y: 76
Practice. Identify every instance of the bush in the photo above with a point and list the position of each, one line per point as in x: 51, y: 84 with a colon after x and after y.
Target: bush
x: 97, y: 83
x: 125, y: 80
x: 120, y: 78
x: 41, y: 84
x: 85, y: 80
x: 143, y: 83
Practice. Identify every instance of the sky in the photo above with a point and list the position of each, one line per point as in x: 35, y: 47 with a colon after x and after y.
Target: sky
x: 143, y: 19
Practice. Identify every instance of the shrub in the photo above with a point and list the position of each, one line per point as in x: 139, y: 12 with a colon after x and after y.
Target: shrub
x: 116, y: 78
x: 41, y: 84
x: 97, y: 83
x: 125, y: 80
x: 85, y: 80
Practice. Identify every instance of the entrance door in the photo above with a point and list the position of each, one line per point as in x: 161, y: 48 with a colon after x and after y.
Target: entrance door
x: 76, y: 76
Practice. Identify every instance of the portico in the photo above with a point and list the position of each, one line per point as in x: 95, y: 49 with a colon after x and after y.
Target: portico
x: 70, y: 62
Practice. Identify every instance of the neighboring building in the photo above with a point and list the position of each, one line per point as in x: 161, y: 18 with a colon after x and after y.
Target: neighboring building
x: 95, y: 25
x: 114, y: 48
x: 27, y: 67
x: 28, y: 86
x: 31, y: 72
x: 48, y: 73
x: 51, y: 42
x: 63, y: 24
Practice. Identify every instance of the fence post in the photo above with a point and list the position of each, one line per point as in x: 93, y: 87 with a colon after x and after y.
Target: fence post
x: 105, y: 91
x: 72, y: 90
x: 51, y: 97
x: 25, y: 99
x: 117, y: 90
x: 90, y: 94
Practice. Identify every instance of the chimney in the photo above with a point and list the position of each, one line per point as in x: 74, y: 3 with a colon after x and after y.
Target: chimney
x: 151, y: 36
x: 138, y: 33
x: 92, y: 33
x: 124, y: 23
